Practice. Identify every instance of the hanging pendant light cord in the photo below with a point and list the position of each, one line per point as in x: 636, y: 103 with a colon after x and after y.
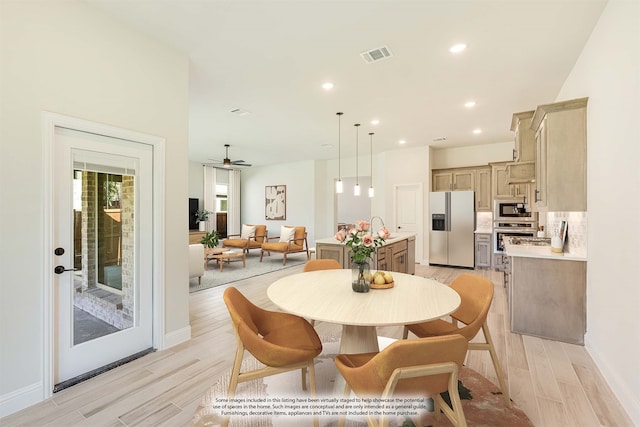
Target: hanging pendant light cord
x: 371, y: 155
x: 357, y: 125
x: 339, y: 155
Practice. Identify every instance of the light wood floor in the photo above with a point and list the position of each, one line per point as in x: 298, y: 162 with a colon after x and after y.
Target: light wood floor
x: 556, y: 384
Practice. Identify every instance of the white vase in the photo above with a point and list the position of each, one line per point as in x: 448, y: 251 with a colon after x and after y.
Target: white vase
x: 202, y: 226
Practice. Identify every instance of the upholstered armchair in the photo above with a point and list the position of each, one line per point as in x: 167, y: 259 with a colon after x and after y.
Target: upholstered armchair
x: 196, y: 264
x: 291, y: 240
x: 252, y: 237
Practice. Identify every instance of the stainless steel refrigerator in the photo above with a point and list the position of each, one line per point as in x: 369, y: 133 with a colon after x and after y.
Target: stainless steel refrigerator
x: 451, y: 233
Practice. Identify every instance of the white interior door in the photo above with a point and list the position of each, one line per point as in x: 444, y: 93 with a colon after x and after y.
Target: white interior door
x: 408, y: 202
x: 103, y: 257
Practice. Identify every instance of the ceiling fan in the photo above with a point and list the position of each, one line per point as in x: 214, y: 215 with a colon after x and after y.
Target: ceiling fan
x: 227, y: 162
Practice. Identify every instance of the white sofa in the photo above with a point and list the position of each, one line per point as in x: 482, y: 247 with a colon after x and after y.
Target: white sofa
x: 196, y: 261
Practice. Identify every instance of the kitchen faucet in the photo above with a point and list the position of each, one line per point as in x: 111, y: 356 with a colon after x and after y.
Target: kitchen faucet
x: 371, y: 223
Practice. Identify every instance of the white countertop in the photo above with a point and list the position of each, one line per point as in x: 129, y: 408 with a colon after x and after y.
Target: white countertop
x: 395, y: 237
x: 483, y: 231
x: 539, y: 252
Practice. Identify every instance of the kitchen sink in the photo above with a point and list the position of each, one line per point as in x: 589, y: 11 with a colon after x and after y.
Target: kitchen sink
x: 531, y: 241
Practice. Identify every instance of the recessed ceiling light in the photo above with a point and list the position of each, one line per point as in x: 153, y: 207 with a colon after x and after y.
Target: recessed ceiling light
x: 402, y: 142
x: 477, y: 131
x: 327, y: 86
x: 470, y: 104
x: 457, y: 48
x: 375, y: 122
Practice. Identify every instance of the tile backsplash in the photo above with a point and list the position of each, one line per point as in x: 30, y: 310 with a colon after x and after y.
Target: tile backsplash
x: 576, y: 242
x: 484, y: 221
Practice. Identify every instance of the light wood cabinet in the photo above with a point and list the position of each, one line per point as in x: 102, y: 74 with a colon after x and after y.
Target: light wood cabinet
x: 483, y: 189
x: 462, y: 179
x: 561, y: 156
x: 502, y: 190
x: 442, y: 181
x: 525, y: 140
x: 398, y: 256
x: 333, y: 251
x: 483, y: 250
x: 477, y: 179
x: 547, y: 298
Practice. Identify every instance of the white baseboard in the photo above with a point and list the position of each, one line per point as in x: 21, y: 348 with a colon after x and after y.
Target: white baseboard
x: 19, y: 399
x: 623, y: 393
x: 176, y: 337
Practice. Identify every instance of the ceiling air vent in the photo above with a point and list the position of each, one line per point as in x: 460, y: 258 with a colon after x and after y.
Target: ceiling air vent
x: 376, y: 54
x: 239, y: 111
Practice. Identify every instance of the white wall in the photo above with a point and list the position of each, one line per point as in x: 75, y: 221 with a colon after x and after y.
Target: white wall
x: 458, y: 157
x: 608, y: 72
x: 404, y: 166
x: 67, y: 58
x: 354, y: 208
x: 196, y: 177
x: 299, y: 177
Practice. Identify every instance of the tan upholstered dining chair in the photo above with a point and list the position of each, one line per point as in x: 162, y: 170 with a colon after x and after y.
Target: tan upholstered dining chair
x: 321, y: 264
x: 416, y: 367
x: 476, y: 294
x: 291, y: 240
x: 281, y: 341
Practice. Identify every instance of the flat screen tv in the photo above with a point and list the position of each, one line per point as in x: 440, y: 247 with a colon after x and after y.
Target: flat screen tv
x: 193, y: 208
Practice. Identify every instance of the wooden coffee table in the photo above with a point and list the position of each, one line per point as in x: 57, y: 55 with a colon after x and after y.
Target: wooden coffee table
x: 229, y: 256
x: 209, y: 253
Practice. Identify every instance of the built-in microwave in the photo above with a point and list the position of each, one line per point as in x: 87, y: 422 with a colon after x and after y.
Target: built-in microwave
x: 510, y: 210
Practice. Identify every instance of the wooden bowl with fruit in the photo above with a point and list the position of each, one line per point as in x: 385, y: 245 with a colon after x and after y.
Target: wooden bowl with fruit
x: 381, y: 280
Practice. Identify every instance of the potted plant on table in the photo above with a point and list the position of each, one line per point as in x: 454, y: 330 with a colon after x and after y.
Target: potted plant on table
x: 202, y: 216
x: 211, y: 239
x: 362, y: 243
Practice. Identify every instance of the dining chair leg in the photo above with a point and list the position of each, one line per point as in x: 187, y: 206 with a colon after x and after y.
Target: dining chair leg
x: 312, y: 386
x: 304, y: 378
x: 496, y: 365
x: 235, y: 372
x: 347, y: 393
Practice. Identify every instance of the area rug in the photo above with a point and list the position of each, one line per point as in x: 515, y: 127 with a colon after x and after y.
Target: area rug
x: 260, y: 403
x: 233, y: 271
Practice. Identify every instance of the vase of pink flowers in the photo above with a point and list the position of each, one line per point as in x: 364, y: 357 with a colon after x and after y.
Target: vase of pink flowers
x: 363, y: 244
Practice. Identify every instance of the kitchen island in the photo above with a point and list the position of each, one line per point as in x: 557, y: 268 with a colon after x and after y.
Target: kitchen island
x: 397, y: 254
x: 546, y: 291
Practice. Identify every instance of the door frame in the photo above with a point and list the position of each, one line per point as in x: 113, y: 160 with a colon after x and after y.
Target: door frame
x: 420, y: 241
x: 49, y: 123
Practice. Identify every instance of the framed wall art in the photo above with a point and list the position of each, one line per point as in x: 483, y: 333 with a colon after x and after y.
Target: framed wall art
x: 275, y: 202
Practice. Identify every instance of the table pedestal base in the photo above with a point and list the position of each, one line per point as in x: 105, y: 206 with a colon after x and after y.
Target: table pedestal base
x: 358, y: 339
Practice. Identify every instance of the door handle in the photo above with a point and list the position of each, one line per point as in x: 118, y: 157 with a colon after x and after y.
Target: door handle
x: 60, y: 269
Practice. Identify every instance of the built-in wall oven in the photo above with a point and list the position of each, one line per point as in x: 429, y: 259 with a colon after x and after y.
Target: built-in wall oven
x: 504, y: 229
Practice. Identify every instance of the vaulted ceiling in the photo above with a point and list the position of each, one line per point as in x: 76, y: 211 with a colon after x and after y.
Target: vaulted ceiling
x: 270, y: 58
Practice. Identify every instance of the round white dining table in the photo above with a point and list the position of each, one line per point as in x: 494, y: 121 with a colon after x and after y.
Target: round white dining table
x: 326, y: 295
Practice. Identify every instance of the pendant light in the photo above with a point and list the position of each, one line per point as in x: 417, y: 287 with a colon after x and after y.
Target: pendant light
x: 356, y: 188
x: 339, y: 186
x: 371, y: 191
